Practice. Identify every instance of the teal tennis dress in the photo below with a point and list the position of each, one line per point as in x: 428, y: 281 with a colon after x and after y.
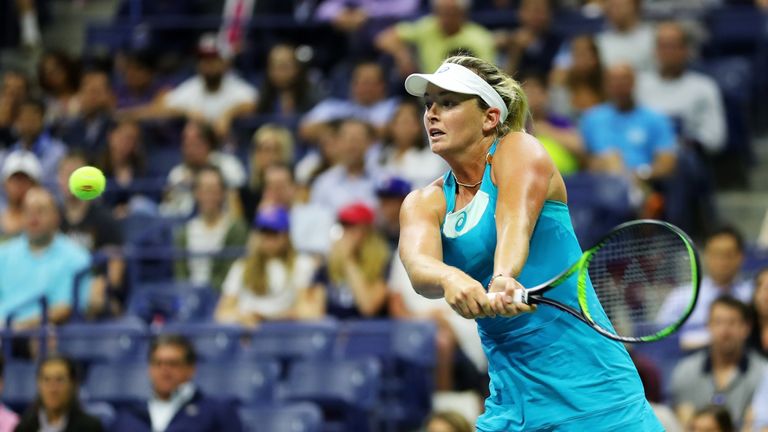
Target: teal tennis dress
x: 548, y: 371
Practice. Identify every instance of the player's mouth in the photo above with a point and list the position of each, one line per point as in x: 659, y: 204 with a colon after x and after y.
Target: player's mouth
x: 435, y: 133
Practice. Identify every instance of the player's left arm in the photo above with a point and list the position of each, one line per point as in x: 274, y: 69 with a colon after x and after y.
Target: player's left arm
x: 522, y: 172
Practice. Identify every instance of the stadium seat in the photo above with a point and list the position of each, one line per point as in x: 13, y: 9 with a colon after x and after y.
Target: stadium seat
x: 20, y: 384
x: 248, y: 383
x: 122, y: 340
x: 299, y: 417
x: 103, y: 411
x: 212, y: 341
x: 597, y: 203
x: 289, y: 340
x: 117, y: 383
x: 172, y: 302
x: 347, y: 390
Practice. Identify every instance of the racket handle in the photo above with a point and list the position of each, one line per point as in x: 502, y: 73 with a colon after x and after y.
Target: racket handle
x: 520, y: 296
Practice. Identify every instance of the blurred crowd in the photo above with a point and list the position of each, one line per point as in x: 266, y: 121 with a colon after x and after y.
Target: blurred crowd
x: 271, y: 172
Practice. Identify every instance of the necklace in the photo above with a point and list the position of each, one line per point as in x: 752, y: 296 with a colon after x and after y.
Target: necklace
x: 466, y: 185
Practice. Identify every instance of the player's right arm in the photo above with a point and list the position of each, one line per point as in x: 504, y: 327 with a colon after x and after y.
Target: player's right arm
x: 422, y: 255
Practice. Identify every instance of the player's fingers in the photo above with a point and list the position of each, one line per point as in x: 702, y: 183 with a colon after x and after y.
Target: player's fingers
x: 473, y: 307
x: 497, y: 302
x: 481, y: 297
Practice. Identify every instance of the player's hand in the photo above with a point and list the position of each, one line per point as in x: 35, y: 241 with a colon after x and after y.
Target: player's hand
x: 466, y: 296
x: 501, y: 297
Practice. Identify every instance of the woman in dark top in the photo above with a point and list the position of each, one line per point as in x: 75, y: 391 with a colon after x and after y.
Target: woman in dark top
x: 57, y: 407
x: 286, y: 89
x: 758, y: 339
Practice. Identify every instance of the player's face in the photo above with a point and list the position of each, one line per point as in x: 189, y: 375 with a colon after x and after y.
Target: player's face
x: 168, y: 369
x: 453, y: 121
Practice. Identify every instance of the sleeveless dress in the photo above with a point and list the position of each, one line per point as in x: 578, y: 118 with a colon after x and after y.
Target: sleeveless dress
x: 548, y: 371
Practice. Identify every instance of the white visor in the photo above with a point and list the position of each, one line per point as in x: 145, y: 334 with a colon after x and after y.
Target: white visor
x: 458, y: 79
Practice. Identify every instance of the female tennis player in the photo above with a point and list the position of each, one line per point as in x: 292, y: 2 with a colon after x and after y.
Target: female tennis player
x: 498, y: 221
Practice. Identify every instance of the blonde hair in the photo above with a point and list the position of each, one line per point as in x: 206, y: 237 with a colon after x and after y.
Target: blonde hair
x: 284, y: 138
x: 255, y: 272
x: 372, y: 257
x: 511, y: 92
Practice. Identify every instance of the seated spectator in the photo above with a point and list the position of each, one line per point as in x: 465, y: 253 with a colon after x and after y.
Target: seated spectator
x: 391, y: 192
x: 759, y: 402
x: 318, y: 161
x: 20, y: 172
x: 8, y: 418
x: 628, y: 40
x: 198, y: 149
x: 727, y: 373
x: 41, y: 247
x: 286, y: 89
x: 712, y: 418
x: 351, y: 284
x: 124, y: 165
x: 280, y: 189
x: 435, y: 37
x: 723, y: 257
x: 532, y: 47
x: 758, y: 339
x: 367, y: 102
x: 57, y: 406
x: 579, y: 86
x: 59, y: 77
x: 177, y: 405
x: 692, y: 99
x: 137, y: 82
x: 215, y: 94
x: 350, y: 180
x: 36, y: 138
x: 447, y: 421
x: 405, y: 152
x: 15, y: 88
x: 557, y: 134
x: 271, y: 144
x: 650, y: 375
x: 16, y: 85
x: 268, y: 283
x: 91, y: 225
x: 212, y: 230
x: 89, y: 128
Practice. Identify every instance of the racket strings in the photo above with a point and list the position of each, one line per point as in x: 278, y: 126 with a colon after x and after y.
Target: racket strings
x: 642, y: 278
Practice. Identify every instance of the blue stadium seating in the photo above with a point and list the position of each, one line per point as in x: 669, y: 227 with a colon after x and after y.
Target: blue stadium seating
x: 299, y: 417
x: 246, y: 382
x: 289, y: 341
x: 103, y: 411
x: 117, y: 383
x: 122, y: 340
x: 20, y: 384
x: 172, y: 302
x: 347, y: 390
x: 212, y: 341
x: 597, y: 203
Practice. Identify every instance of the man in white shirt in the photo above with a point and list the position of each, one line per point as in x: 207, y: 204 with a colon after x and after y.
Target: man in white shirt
x: 628, y: 39
x: 692, y: 99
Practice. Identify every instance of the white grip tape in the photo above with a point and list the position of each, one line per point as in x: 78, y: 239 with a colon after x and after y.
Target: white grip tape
x: 520, y: 296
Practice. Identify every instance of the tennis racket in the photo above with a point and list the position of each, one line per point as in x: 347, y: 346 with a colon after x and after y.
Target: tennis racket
x: 646, y: 277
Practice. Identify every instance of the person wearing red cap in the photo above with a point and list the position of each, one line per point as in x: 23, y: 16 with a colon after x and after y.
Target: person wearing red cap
x: 351, y: 284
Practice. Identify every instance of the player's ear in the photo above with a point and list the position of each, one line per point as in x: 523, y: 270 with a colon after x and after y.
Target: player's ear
x: 491, y: 120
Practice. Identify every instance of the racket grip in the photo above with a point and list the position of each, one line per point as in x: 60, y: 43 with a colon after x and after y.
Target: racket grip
x: 520, y: 296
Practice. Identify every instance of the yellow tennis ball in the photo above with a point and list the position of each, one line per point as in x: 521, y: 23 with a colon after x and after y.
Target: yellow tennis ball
x: 87, y: 183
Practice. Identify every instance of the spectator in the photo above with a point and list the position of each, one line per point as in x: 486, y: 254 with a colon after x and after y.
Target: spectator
x: 351, y: 284
x: 723, y: 258
x: 280, y: 188
x: 286, y: 89
x: 215, y: 94
x: 712, y: 418
x: 35, y: 137
x: 435, y: 37
x: 268, y: 283
x: 41, y: 247
x: 272, y: 144
x: 447, y: 421
x: 367, y: 102
x: 59, y: 76
x: 137, y: 83
x: 405, y: 153
x: 639, y: 142
x: 177, y: 405
x: 124, y: 165
x: 727, y: 373
x: 21, y: 171
x: 581, y: 85
x: 349, y: 180
x: 391, y: 192
x: 758, y: 339
x: 16, y: 85
x: 57, y: 407
x: 557, y: 134
x: 90, y: 224
x: 15, y: 88
x: 532, y: 47
x: 199, y: 148
x: 628, y: 40
x: 88, y: 129
x: 212, y: 231
x: 651, y: 379
x: 692, y: 99
x: 8, y: 418
x: 759, y: 402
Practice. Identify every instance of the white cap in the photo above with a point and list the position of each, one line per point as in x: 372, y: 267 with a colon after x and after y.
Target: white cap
x: 22, y: 161
x: 456, y: 78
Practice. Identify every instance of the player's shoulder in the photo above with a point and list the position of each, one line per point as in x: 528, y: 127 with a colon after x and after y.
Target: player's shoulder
x: 427, y: 198
x: 520, y: 147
